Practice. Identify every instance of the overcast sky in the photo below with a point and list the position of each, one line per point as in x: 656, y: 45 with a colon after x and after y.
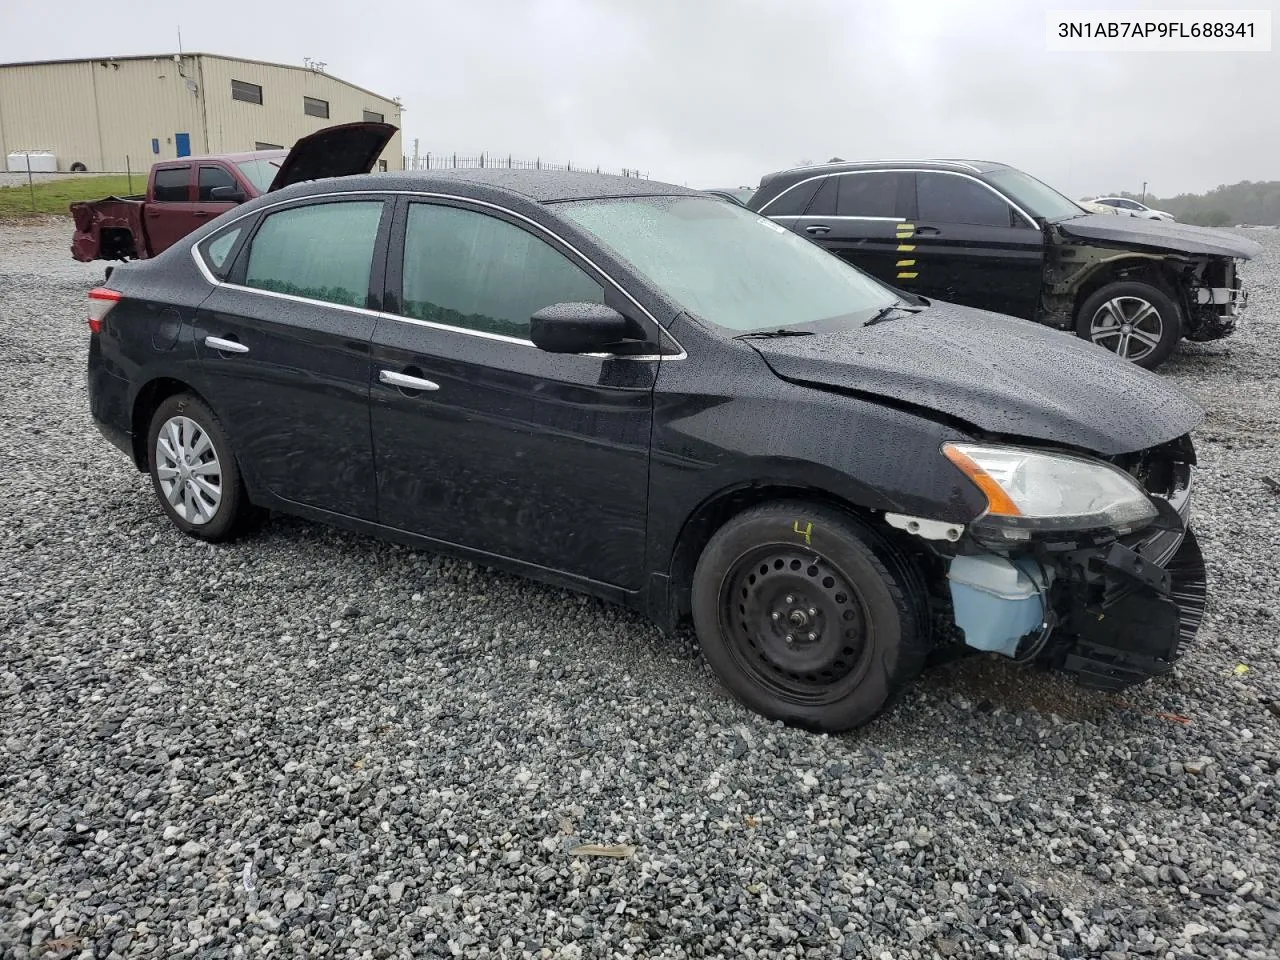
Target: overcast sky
x: 718, y: 92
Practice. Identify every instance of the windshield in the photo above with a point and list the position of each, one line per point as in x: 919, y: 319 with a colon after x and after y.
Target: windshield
x: 260, y: 172
x: 729, y: 266
x: 1038, y: 199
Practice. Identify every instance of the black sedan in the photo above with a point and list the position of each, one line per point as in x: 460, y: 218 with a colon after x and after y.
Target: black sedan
x: 986, y: 235
x: 670, y: 402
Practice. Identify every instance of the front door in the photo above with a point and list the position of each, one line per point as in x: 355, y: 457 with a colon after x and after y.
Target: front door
x: 970, y: 246
x: 481, y: 438
x: 856, y: 217
x: 208, y: 178
x: 284, y: 346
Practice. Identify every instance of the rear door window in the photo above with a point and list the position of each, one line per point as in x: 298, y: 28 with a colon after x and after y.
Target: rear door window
x: 949, y: 198
x: 824, y: 202
x: 792, y: 202
x: 171, y: 184
x: 868, y: 195
x: 322, y: 252
x: 211, y: 177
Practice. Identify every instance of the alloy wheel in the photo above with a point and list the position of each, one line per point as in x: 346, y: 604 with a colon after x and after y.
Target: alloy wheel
x: 188, y: 470
x: 1130, y: 327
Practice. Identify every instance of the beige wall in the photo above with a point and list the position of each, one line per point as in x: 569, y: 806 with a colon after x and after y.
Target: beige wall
x: 104, y: 114
x: 235, y: 125
x: 99, y: 115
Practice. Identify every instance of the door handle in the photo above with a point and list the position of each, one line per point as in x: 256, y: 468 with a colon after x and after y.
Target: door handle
x: 201, y: 213
x: 817, y: 229
x: 927, y: 231
x: 225, y: 346
x: 406, y: 382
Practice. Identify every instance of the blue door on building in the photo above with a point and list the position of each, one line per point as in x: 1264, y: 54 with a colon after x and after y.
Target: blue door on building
x: 182, y: 144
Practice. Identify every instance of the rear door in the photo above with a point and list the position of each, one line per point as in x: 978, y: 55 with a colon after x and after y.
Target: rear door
x: 284, y: 344
x: 533, y: 456
x: 971, y: 246
x: 855, y: 216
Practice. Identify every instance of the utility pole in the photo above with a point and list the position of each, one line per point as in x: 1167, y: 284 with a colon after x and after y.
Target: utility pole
x: 1144, y: 192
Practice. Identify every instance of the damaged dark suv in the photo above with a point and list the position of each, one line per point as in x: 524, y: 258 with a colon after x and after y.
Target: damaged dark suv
x: 670, y: 402
x: 986, y: 235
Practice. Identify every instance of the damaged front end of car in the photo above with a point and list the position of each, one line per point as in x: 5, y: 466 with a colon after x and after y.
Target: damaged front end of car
x: 1085, y: 565
x: 1198, y: 267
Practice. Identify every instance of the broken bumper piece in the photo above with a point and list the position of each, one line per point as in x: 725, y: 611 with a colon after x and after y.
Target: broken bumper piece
x: 1135, y: 612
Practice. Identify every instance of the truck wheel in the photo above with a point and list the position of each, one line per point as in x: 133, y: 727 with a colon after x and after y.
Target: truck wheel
x: 1134, y: 320
x: 194, y: 471
x: 808, y: 616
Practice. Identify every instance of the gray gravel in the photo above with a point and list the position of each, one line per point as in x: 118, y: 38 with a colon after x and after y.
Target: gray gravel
x: 311, y: 743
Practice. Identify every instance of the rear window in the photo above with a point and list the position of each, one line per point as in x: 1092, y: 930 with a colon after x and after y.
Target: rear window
x: 171, y: 184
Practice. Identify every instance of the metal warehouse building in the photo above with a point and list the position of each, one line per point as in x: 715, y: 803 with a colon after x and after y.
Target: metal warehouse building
x: 124, y: 113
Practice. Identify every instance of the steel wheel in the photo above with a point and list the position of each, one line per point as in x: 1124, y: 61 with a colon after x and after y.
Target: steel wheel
x: 188, y: 471
x: 795, y: 624
x: 1128, y: 326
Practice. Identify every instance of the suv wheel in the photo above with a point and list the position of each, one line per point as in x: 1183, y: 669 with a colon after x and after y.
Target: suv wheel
x: 1134, y: 320
x: 809, y: 617
x: 194, y: 472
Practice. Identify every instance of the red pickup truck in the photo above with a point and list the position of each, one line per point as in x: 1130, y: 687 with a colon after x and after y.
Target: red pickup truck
x: 187, y: 193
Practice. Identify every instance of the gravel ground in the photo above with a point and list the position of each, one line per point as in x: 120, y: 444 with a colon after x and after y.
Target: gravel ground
x: 311, y: 743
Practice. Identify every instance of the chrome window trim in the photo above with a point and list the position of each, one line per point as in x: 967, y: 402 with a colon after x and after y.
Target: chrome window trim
x: 817, y: 216
x: 848, y: 173
x: 209, y: 276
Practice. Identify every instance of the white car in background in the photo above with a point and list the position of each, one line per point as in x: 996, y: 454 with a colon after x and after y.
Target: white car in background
x: 1123, y: 205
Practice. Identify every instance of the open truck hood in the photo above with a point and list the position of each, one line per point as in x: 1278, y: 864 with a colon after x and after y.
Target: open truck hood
x: 343, y: 150
x: 996, y: 373
x: 1164, y: 235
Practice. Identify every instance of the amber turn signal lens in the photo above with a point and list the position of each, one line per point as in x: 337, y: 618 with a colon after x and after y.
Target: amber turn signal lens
x: 998, y: 502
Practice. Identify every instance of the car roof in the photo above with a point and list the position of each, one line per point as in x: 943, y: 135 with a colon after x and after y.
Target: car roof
x: 539, y: 186
x: 232, y: 157
x: 843, y: 166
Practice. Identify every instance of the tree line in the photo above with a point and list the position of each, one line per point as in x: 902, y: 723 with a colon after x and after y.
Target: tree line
x: 1244, y: 202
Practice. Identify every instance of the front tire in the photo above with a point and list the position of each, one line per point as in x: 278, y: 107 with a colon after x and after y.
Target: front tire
x: 808, y: 616
x: 194, y: 472
x: 1134, y: 320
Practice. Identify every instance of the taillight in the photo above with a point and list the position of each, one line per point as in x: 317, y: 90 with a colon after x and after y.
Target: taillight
x: 101, y: 300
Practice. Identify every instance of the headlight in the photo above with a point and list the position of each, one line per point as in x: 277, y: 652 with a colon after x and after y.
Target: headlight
x: 1031, y: 490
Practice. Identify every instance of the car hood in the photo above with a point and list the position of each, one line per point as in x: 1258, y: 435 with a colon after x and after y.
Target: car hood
x: 1165, y: 235
x: 343, y: 150
x: 995, y: 373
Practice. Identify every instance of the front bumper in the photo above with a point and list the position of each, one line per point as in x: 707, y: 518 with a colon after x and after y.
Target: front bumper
x: 1138, y: 620
x: 1129, y: 609
x: 1215, y: 311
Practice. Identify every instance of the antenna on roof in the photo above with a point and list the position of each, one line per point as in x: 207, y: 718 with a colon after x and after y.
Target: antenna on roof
x: 179, y: 39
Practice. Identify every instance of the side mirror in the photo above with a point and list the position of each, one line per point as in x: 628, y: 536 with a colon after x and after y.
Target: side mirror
x: 233, y: 194
x: 578, y: 328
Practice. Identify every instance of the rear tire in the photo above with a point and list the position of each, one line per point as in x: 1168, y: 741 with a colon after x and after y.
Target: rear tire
x: 194, y: 471
x: 853, y: 606
x: 1134, y: 320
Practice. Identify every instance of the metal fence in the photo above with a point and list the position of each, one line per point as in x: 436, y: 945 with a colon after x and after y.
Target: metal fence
x: 504, y: 161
